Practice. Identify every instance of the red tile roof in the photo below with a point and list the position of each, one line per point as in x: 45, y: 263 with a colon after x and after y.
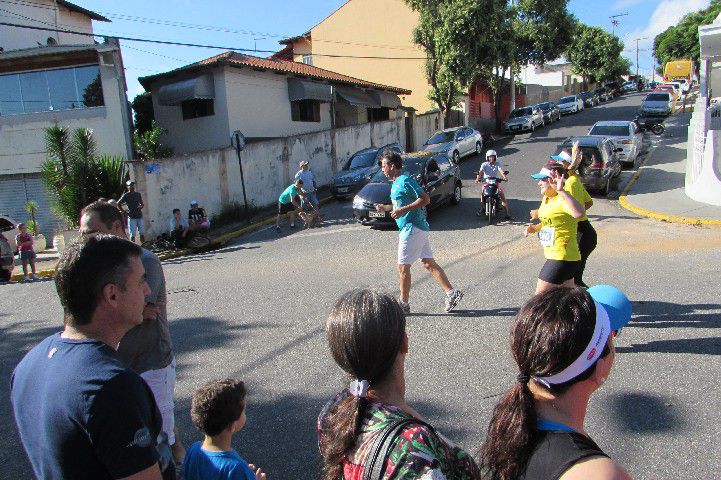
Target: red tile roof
x: 234, y: 59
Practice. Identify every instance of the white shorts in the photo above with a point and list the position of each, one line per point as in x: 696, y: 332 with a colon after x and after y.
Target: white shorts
x: 162, y: 384
x: 415, y: 246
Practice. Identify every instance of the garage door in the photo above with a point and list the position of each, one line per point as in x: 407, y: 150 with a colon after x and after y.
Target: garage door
x: 16, y: 190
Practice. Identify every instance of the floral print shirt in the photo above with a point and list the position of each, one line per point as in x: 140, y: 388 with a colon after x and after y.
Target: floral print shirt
x: 419, y: 452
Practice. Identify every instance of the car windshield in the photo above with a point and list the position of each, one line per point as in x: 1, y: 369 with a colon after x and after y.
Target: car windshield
x: 610, y: 130
x: 412, y: 168
x: 521, y: 112
x: 362, y: 160
x: 544, y: 106
x: 658, y: 97
x: 441, y: 137
x: 567, y: 100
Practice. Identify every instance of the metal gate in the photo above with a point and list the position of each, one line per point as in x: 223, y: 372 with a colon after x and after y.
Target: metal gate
x: 16, y: 190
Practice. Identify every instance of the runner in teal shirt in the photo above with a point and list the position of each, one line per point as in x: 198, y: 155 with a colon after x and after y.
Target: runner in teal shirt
x: 405, y: 191
x: 289, y: 202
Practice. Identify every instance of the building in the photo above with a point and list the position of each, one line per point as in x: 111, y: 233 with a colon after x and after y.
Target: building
x: 51, y: 77
x: 200, y: 105
x: 550, y: 82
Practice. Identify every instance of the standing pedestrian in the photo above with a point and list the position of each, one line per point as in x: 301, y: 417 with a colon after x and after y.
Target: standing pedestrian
x: 134, y: 201
x: 310, y: 186
x: 24, y: 242
x: 559, y: 213
x: 147, y: 348
x: 81, y: 413
x: 407, y: 208
x: 587, y: 236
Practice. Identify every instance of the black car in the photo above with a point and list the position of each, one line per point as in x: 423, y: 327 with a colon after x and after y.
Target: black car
x: 432, y: 170
x: 359, y: 168
x: 551, y: 113
x: 614, y: 88
x: 590, y: 99
x: 6, y: 259
x: 600, y: 165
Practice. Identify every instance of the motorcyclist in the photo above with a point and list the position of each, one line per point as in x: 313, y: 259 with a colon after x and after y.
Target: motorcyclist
x: 491, y: 168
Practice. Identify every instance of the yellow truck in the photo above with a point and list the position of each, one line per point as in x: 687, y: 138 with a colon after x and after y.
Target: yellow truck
x: 678, y: 69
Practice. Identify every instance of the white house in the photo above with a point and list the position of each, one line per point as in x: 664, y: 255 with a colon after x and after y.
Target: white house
x: 550, y: 81
x: 54, y: 77
x: 202, y: 104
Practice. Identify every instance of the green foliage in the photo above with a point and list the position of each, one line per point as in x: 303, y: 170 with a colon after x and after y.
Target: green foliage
x: 93, y: 93
x: 31, y: 208
x: 147, y: 144
x: 32, y: 227
x: 143, y: 112
x: 232, y: 212
x: 75, y: 175
x: 681, y: 41
x: 596, y: 54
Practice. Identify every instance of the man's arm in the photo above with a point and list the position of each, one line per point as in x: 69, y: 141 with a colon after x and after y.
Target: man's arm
x: 150, y: 473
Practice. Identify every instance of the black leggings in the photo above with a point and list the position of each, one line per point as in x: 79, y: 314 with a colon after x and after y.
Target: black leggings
x: 587, y: 241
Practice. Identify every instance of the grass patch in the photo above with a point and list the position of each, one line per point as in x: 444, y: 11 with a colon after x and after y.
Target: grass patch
x: 233, y: 212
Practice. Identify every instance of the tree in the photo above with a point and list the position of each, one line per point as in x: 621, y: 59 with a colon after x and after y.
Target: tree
x: 681, y: 41
x: 147, y: 144
x: 143, y: 112
x: 595, y: 54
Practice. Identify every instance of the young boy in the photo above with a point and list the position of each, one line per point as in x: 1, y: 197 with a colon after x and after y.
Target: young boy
x: 218, y: 410
x: 24, y: 241
x: 289, y: 202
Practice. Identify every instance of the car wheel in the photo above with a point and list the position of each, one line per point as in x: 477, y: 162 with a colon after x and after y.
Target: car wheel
x: 479, y: 148
x: 456, y: 157
x: 457, y: 194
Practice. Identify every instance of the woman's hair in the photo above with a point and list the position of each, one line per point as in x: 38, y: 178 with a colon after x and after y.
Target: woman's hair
x: 550, y: 332
x: 365, y: 331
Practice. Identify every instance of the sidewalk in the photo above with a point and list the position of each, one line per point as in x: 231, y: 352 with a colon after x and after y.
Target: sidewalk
x: 657, y: 190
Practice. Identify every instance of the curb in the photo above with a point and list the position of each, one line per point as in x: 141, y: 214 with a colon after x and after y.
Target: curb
x: 16, y: 277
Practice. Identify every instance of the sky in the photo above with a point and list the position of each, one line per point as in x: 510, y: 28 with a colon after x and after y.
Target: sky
x: 259, y: 25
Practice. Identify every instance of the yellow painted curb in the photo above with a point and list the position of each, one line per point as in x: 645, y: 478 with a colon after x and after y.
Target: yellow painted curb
x: 16, y: 277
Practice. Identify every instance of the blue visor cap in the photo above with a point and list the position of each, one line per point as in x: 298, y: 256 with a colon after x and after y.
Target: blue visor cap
x: 616, y: 303
x: 544, y: 173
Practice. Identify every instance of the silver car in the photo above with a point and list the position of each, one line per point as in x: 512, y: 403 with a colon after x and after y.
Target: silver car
x: 456, y: 142
x: 526, y: 118
x: 657, y: 103
x: 626, y: 137
x: 570, y: 104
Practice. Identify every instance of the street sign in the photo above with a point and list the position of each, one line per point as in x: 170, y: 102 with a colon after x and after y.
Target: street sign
x: 237, y: 140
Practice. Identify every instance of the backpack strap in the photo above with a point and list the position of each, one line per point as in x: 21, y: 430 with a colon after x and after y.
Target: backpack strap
x: 383, y: 444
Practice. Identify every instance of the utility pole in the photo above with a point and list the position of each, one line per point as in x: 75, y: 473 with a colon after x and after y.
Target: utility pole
x: 637, y: 40
x: 513, y: 78
x: 615, y: 23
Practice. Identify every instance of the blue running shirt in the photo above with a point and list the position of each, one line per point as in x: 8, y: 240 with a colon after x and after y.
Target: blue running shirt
x: 405, y: 191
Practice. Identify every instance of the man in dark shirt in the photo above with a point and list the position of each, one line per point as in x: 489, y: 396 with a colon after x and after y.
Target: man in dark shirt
x: 134, y: 201
x: 80, y: 412
x: 197, y: 218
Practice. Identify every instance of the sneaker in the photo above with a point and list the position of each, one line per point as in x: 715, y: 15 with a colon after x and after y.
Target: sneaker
x: 292, y: 225
x: 452, y: 300
x: 26, y: 279
x: 35, y: 277
x: 406, y: 307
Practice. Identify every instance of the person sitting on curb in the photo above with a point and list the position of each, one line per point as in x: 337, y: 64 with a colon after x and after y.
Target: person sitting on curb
x: 24, y: 242
x: 218, y: 411
x: 197, y: 219
x: 290, y: 202
x: 179, y: 229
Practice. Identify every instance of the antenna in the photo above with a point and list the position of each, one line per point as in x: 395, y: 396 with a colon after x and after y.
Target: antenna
x: 615, y: 23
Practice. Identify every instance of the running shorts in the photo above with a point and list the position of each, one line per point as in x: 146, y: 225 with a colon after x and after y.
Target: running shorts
x: 413, y: 247
x: 558, y: 271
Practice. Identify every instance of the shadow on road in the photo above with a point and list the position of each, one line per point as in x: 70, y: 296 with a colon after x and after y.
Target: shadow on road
x: 637, y: 412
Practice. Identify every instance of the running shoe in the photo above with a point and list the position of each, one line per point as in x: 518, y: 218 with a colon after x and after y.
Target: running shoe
x: 35, y: 277
x: 26, y: 279
x: 452, y: 300
x: 406, y: 307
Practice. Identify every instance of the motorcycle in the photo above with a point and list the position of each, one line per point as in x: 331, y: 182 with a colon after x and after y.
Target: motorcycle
x: 652, y: 124
x: 491, y: 198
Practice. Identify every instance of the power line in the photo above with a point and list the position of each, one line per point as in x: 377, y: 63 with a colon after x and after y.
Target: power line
x: 198, y: 45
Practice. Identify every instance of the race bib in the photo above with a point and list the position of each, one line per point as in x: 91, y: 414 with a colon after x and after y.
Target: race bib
x: 547, y: 236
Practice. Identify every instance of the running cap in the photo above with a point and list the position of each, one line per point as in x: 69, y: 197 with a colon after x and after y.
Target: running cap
x: 562, y: 156
x: 590, y: 355
x: 129, y: 182
x: 193, y: 202
x: 616, y: 303
x: 544, y: 173
x: 303, y: 163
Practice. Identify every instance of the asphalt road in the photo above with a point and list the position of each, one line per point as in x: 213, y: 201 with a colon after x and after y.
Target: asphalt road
x: 255, y: 310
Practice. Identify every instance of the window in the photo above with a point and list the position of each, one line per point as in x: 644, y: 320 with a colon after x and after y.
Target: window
x: 6, y: 225
x: 308, y: 59
x: 443, y: 162
x: 196, y: 108
x: 379, y: 114
x: 305, y: 111
x: 43, y: 91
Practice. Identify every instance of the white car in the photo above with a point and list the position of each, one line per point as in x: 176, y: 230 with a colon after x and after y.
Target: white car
x: 625, y: 135
x: 677, y: 88
x: 629, y: 86
x: 456, y: 142
x: 570, y: 104
x: 524, y: 118
x: 7, y: 227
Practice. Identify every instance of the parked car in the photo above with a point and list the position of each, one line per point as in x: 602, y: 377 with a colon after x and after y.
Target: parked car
x: 456, y: 142
x: 570, y: 104
x: 603, y: 95
x: 613, y: 88
x: 550, y: 111
x: 676, y: 86
x: 625, y: 135
x: 6, y: 259
x: 590, y: 99
x: 439, y: 177
x: 7, y: 228
x: 685, y: 85
x: 667, y: 89
x: 525, y: 118
x: 629, y: 87
x: 359, y: 168
x: 657, y: 103
x: 652, y: 85
x: 599, y: 166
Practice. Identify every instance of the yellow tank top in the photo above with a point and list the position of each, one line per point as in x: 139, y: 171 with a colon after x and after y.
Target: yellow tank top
x: 575, y: 187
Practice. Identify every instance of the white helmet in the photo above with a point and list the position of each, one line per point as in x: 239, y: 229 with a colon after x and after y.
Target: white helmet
x: 491, y: 153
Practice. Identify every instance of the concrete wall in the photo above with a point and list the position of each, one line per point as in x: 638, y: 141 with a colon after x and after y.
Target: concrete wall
x: 43, y: 12
x: 424, y: 126
x: 703, y: 164
x: 213, y: 177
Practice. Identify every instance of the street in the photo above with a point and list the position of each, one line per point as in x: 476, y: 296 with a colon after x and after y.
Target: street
x: 255, y: 310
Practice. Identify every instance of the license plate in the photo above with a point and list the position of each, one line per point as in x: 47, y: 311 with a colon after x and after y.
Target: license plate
x: 516, y: 127
x: 344, y: 190
x: 373, y: 214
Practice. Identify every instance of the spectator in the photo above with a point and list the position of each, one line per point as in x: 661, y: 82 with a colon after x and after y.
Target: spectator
x: 366, y: 333
x: 24, y: 242
x: 290, y: 202
x: 134, y: 201
x: 80, y: 412
x: 179, y: 228
x: 563, y: 345
x: 310, y: 186
x: 197, y: 219
x: 218, y: 411
x: 147, y: 348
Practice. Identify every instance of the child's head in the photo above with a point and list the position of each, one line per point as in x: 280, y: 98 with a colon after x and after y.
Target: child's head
x: 298, y: 183
x: 219, y: 405
x: 23, y: 228
x: 176, y: 212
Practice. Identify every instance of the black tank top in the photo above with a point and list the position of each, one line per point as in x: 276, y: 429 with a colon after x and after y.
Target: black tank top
x: 556, y: 452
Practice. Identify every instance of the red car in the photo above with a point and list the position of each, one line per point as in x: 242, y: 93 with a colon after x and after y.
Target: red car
x: 6, y: 259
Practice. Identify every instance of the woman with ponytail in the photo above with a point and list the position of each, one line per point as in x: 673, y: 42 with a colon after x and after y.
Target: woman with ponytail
x: 366, y: 333
x: 562, y: 342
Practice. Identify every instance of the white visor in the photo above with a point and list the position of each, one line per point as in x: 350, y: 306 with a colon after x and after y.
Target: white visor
x: 590, y: 354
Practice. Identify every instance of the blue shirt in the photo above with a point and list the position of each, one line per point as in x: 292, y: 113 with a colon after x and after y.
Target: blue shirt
x: 202, y: 464
x: 81, y: 413
x: 405, y: 191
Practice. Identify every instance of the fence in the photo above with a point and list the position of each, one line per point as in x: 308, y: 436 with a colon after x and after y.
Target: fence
x: 212, y: 177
